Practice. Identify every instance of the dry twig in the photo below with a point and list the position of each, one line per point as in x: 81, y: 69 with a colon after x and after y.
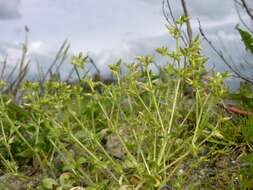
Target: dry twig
x: 188, y: 24
x: 220, y: 54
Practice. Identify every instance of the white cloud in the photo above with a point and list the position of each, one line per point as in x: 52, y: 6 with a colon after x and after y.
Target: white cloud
x: 40, y: 47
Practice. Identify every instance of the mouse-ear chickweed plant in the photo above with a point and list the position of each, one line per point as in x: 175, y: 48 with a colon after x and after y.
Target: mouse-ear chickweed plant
x: 146, y: 130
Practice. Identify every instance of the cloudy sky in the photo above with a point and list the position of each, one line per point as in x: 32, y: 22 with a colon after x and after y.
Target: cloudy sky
x: 108, y: 30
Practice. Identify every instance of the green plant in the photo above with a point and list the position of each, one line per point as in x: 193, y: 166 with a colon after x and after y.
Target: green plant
x: 146, y: 130
x: 246, y: 173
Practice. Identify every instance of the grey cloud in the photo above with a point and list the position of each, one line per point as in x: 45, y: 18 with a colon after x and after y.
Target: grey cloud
x: 44, y: 62
x: 130, y: 49
x: 225, y: 39
x: 211, y: 9
x: 10, y: 9
x: 5, y: 48
x: 94, y: 26
x: 153, y: 2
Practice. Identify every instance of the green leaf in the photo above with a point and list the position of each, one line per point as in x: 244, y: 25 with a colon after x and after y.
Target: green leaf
x: 28, y: 153
x: 81, y: 161
x: 163, y: 51
x: 67, y: 180
x: 49, y: 183
x: 68, y: 167
x: 15, y: 110
x: 246, y: 38
x: 248, y: 158
x: 79, y: 60
x: 182, y: 20
x: 247, y: 131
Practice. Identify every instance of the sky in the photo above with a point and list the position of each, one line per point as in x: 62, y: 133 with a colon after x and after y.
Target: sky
x: 109, y: 30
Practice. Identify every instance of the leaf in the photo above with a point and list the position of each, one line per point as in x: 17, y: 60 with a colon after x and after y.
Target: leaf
x: 248, y: 158
x: 81, y: 161
x: 182, y: 20
x: 49, y: 183
x: 68, y: 167
x: 79, y: 60
x: 28, y: 153
x: 15, y: 110
x: 67, y: 180
x: 246, y: 38
x: 247, y: 131
x: 163, y: 51
x: 77, y: 188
